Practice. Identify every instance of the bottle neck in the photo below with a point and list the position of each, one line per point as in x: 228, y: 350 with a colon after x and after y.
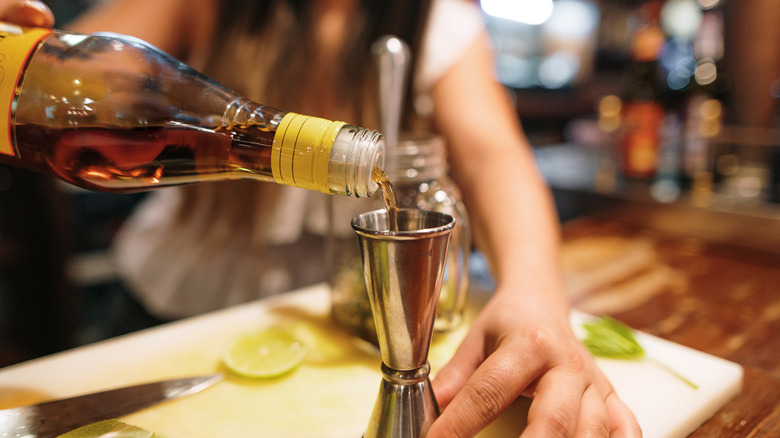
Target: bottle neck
x: 244, y: 112
x: 356, y: 152
x: 314, y: 153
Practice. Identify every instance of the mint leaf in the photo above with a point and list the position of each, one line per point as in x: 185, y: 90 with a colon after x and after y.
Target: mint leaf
x: 609, y: 338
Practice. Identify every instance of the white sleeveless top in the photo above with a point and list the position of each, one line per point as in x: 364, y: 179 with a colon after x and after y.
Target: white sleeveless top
x: 174, y: 274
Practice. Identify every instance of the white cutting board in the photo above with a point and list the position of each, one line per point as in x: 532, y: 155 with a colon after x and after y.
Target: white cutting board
x: 333, y: 392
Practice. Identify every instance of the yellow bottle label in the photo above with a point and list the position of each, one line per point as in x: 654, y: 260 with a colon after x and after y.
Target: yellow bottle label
x: 301, y: 151
x: 16, y: 45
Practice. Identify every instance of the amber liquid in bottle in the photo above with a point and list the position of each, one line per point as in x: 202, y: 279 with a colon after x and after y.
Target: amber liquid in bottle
x: 388, y: 196
x: 133, y: 159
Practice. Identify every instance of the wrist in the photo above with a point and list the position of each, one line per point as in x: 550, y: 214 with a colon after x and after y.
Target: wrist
x: 535, y: 288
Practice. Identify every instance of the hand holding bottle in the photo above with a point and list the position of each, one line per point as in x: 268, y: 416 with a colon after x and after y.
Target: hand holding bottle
x: 26, y: 13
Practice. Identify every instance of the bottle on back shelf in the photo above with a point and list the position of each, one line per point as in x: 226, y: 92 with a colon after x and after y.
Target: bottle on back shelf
x: 112, y: 113
x: 643, y: 111
x: 705, y: 107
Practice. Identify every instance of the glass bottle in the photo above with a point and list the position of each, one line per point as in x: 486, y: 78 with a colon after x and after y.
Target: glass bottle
x: 112, y: 113
x: 421, y: 180
x: 642, y: 111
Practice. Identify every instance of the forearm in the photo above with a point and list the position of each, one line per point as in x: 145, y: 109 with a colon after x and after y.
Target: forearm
x: 515, y: 223
x: 521, y: 343
x: 514, y: 219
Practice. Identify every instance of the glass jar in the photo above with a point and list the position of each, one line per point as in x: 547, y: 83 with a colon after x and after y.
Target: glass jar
x: 421, y: 180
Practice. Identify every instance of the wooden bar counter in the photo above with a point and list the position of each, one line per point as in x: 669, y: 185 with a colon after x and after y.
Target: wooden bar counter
x: 719, y: 298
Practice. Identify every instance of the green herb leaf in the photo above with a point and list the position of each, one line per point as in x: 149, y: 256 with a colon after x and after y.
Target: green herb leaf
x: 607, y: 337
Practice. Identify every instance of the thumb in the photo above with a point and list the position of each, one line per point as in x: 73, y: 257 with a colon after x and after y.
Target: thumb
x: 33, y: 13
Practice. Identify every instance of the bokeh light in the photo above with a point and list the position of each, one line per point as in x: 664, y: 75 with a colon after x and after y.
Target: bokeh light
x: 522, y: 11
x: 681, y: 18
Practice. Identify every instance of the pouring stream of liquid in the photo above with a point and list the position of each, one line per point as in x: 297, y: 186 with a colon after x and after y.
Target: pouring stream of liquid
x: 388, y: 196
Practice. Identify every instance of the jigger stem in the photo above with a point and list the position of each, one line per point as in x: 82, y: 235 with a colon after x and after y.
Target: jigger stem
x: 406, y: 406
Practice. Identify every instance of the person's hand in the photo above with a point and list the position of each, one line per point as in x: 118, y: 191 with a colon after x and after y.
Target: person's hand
x: 524, y: 346
x: 31, y: 13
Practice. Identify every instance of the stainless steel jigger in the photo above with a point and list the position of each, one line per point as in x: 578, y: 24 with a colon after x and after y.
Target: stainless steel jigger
x: 403, y: 271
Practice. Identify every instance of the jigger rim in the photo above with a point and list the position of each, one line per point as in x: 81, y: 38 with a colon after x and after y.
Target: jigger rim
x: 445, y: 224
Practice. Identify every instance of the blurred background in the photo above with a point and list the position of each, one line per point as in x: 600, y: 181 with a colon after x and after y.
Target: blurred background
x: 664, y: 110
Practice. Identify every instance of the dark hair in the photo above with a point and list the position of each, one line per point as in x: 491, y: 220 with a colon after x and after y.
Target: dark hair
x: 263, y: 47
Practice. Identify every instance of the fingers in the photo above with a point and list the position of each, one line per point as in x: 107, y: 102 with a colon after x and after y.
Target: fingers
x: 31, y: 13
x: 561, y: 411
x: 622, y: 420
x: 593, y: 420
x: 571, y: 397
x: 488, y: 392
x: 555, y: 409
x: 453, y: 376
x: 601, y: 413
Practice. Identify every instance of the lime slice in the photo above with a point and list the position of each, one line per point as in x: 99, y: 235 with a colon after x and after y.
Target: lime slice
x: 266, y: 353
